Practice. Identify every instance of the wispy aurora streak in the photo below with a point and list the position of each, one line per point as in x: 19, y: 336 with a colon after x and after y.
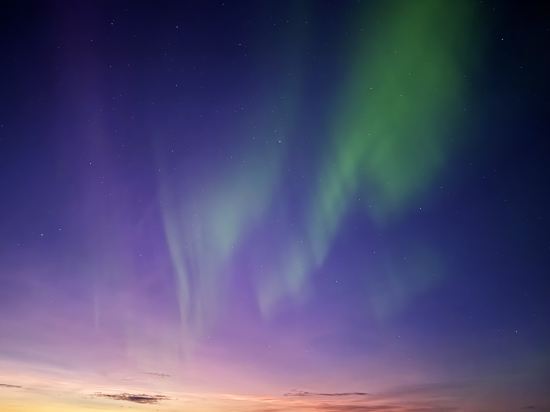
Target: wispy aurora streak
x: 206, y: 224
x: 203, y: 232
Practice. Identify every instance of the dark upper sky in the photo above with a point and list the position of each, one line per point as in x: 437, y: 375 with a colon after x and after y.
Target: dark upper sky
x: 263, y: 206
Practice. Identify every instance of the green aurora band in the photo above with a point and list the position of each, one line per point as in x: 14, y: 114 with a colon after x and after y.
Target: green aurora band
x: 393, y: 133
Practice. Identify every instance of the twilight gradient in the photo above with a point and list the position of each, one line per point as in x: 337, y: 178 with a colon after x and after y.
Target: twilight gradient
x: 274, y: 206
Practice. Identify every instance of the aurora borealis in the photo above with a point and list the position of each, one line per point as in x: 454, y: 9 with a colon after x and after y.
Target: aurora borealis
x: 268, y: 206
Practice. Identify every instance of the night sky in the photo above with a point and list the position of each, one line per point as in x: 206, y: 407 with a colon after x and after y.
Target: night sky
x: 271, y: 206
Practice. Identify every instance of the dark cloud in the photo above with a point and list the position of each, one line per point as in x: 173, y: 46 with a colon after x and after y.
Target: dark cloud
x: 356, y: 408
x: 378, y: 402
x: 382, y: 408
x: 361, y: 406
x: 334, y: 394
x: 428, y: 389
x: 159, y: 374
x: 5, y: 385
x: 132, y: 397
